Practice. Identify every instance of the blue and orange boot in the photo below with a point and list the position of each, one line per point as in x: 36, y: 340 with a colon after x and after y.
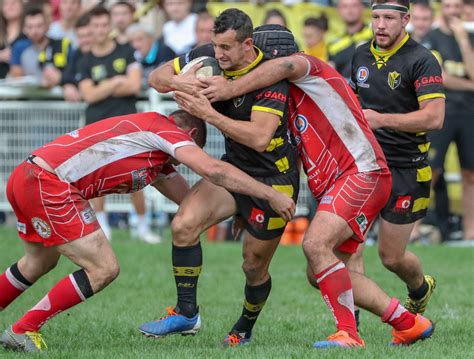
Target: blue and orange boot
x: 235, y: 339
x: 341, y: 339
x: 172, y: 323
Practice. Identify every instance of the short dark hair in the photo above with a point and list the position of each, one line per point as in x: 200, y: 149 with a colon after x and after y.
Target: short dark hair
x: 83, y: 21
x: 185, y: 120
x: 405, y: 3
x: 97, y: 11
x: 320, y: 22
x: 274, y: 13
x: 32, y: 10
x: 234, y: 19
x: 124, y: 3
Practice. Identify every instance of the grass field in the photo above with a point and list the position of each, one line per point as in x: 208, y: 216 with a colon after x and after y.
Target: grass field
x: 294, y: 317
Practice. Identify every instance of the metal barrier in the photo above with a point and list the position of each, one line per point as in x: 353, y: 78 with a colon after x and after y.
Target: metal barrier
x: 26, y: 125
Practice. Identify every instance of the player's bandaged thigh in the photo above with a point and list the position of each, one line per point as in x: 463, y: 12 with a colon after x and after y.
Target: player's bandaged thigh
x: 410, y: 195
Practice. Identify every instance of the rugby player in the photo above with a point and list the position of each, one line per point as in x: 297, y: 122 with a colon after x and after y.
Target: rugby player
x: 347, y: 174
x: 400, y: 87
x: 49, y: 194
x: 255, y: 130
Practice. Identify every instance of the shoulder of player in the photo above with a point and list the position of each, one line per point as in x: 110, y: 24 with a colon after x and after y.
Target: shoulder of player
x: 364, y: 48
x: 417, y: 53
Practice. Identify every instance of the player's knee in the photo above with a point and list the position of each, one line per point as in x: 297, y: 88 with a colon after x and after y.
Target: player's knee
x: 107, y: 274
x: 390, y: 260
x: 254, y: 269
x: 313, y: 247
x: 311, y: 278
x: 184, y: 230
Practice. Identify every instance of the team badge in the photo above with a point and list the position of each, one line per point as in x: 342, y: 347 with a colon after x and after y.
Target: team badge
x: 394, y: 79
x: 41, y: 227
x: 98, y: 73
x: 362, y: 221
x: 119, y: 65
x: 238, y: 101
x: 362, y: 74
x: 301, y: 123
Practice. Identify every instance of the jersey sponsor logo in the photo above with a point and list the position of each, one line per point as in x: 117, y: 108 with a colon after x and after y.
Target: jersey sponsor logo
x: 403, y: 204
x: 41, y: 227
x: 88, y: 216
x: 139, y: 179
x: 273, y: 95
x: 74, y: 134
x: 98, y: 73
x: 362, y: 222
x: 119, y: 65
x: 257, y: 217
x: 21, y: 227
x: 394, y: 79
x: 428, y: 80
x: 301, y: 123
x: 326, y: 199
x: 362, y: 76
x: 238, y: 101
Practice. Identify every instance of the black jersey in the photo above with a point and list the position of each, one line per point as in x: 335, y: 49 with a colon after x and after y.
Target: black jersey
x: 342, y: 49
x: 105, y: 67
x: 447, y: 51
x: 397, y: 81
x: 280, y: 156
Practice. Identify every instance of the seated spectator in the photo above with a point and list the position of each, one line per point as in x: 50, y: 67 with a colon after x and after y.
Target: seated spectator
x: 274, y: 17
x: 64, y: 27
x: 10, y: 34
x: 314, y: 31
x: 121, y: 15
x: 204, y: 28
x: 149, y: 52
x: 44, y: 58
x: 70, y: 77
x: 421, y: 20
x: 180, y: 31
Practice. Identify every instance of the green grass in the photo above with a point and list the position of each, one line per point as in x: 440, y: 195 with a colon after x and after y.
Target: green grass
x: 294, y: 317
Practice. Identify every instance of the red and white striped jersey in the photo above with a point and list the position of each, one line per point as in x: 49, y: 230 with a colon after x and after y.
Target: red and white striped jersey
x: 329, y: 128
x: 118, y: 155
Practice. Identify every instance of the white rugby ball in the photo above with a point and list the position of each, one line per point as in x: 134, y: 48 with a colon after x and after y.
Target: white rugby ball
x: 210, y: 67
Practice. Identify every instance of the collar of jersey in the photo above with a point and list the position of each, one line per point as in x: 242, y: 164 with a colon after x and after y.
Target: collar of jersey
x: 242, y: 72
x: 385, y: 55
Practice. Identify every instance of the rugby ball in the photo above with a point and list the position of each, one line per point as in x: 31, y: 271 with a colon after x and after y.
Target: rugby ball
x: 210, y: 67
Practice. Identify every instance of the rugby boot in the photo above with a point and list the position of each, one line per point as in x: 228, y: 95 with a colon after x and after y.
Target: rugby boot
x: 172, y: 323
x: 235, y: 339
x: 421, y: 330
x: 340, y: 339
x: 418, y: 306
x: 29, y: 342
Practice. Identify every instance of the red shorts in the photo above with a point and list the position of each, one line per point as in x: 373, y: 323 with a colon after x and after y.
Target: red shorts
x: 357, y: 198
x: 48, y: 210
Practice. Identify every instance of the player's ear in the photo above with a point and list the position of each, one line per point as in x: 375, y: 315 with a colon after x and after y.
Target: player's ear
x: 248, y: 44
x: 405, y: 19
x: 193, y: 132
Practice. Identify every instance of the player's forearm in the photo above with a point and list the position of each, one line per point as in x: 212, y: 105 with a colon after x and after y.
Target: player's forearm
x: 162, y: 78
x: 99, y: 92
x: 467, y: 55
x: 457, y: 83
x: 16, y: 71
x: 127, y: 89
x: 244, y: 132
x: 417, y: 121
x: 264, y: 75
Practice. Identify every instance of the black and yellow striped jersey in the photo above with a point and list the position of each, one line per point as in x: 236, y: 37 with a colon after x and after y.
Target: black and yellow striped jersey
x: 397, y: 81
x: 342, y: 49
x: 280, y: 155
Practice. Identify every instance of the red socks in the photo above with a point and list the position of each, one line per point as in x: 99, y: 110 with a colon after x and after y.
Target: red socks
x: 336, y: 289
x: 10, y: 287
x: 64, y: 295
x: 397, y: 316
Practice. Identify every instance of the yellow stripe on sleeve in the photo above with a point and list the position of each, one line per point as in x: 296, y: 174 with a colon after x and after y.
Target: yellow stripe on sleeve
x: 268, y: 110
x: 431, y: 96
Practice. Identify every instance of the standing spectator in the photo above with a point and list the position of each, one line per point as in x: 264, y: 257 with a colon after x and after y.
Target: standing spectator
x: 64, y: 27
x: 421, y: 21
x: 274, y: 17
x: 180, y: 31
x: 453, y: 46
x: 121, y: 14
x: 469, y: 12
x: 12, y: 39
x: 44, y: 58
x: 204, y: 28
x: 314, y: 31
x: 149, y: 52
x: 110, y: 80
x: 357, y: 32
x: 70, y: 77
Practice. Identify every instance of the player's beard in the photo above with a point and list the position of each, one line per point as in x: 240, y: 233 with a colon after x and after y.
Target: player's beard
x: 389, y: 41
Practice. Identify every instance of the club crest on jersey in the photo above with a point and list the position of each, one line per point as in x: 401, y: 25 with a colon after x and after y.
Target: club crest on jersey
x: 238, y: 101
x: 362, y: 221
x: 41, y: 227
x: 394, y: 79
x: 362, y: 76
x: 301, y: 123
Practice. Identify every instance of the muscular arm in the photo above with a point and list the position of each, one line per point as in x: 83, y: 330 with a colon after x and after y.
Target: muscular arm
x: 225, y: 175
x: 430, y: 116
x: 270, y: 72
x: 174, y: 188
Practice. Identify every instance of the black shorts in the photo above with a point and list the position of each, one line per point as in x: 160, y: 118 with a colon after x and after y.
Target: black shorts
x: 410, y: 194
x: 261, y: 221
x: 458, y: 127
